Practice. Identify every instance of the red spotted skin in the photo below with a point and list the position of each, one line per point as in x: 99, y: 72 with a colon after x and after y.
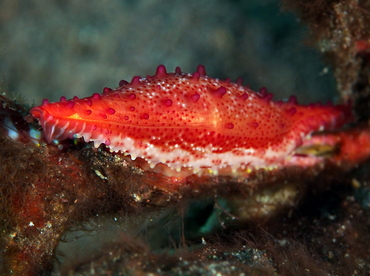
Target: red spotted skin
x: 190, y: 121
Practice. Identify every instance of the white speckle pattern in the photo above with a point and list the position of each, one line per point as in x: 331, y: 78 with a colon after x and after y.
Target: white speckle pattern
x: 190, y: 121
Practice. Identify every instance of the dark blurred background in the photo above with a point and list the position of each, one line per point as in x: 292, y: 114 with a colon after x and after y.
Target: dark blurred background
x: 50, y: 48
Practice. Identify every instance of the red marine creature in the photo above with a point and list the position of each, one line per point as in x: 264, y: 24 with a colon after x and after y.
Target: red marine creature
x: 182, y: 124
x: 194, y: 137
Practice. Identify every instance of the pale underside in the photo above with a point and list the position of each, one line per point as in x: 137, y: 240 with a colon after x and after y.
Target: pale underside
x: 206, y: 162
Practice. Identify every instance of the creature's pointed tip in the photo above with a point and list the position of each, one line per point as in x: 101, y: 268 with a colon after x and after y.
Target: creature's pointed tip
x: 161, y: 71
x: 178, y: 70
x: 201, y: 70
x: 135, y: 80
